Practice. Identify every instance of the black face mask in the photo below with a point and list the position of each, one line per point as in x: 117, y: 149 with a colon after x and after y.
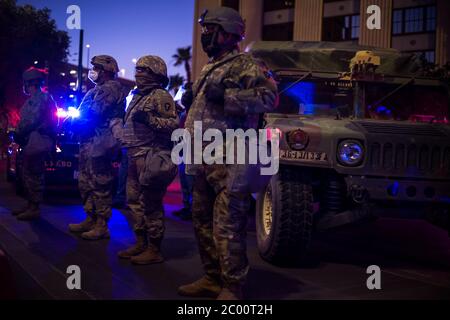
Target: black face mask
x: 210, y: 44
x: 146, y: 82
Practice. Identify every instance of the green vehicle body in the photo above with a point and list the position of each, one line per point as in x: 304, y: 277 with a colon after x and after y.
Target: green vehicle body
x: 387, y: 109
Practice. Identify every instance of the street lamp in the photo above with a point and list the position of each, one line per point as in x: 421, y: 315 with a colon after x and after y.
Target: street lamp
x: 134, y: 60
x: 88, y: 46
x: 122, y: 71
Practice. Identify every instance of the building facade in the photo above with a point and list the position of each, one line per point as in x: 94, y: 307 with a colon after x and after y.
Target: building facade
x: 420, y: 26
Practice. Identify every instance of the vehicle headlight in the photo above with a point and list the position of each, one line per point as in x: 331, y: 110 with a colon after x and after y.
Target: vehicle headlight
x: 350, y: 152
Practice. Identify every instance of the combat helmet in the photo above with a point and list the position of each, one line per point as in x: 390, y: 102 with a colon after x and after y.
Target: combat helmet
x: 156, y: 65
x: 108, y: 63
x: 34, y: 74
x: 229, y: 19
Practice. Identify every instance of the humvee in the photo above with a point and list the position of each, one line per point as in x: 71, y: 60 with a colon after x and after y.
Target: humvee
x: 361, y: 129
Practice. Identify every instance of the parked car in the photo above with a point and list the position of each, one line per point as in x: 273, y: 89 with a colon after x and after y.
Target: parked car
x: 61, y: 165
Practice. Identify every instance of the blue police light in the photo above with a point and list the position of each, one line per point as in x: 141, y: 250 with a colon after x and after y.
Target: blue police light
x: 350, y: 153
x: 61, y: 113
x: 303, y: 94
x: 73, y: 112
x: 384, y: 110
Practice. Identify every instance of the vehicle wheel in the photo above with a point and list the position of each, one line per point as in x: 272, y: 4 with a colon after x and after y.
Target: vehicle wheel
x: 284, y: 218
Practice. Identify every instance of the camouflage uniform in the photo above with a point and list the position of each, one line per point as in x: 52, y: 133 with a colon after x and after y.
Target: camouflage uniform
x: 100, y: 105
x: 101, y: 112
x: 36, y: 129
x: 144, y: 139
x: 220, y: 211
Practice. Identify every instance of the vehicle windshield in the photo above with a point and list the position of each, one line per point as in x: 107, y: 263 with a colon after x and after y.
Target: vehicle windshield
x: 331, y: 98
x: 317, y: 98
x: 410, y: 103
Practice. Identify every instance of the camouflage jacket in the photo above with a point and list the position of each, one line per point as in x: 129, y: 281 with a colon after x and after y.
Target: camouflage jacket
x: 247, y: 83
x: 38, y: 114
x: 162, y: 120
x: 101, y: 110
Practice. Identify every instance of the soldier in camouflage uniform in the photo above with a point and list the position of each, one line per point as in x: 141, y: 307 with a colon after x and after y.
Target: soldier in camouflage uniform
x: 232, y: 92
x: 149, y: 121
x: 99, y: 127
x: 35, y: 133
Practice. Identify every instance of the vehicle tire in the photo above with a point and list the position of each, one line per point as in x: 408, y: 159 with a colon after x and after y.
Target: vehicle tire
x: 284, y: 218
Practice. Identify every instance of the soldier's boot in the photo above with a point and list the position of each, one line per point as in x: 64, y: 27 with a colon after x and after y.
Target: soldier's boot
x: 16, y: 212
x: 152, y: 254
x: 206, y: 286
x: 231, y: 292
x: 84, y: 226
x: 137, y: 249
x: 33, y: 212
x: 99, y: 231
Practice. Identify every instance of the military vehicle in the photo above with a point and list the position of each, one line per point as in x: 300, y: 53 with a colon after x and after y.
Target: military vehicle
x: 361, y: 129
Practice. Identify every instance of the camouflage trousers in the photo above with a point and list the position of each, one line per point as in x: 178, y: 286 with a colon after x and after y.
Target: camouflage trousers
x: 220, y: 221
x: 33, y: 176
x: 146, y: 203
x: 95, y: 182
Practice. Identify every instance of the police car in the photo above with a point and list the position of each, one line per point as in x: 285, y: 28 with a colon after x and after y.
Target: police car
x: 61, y: 165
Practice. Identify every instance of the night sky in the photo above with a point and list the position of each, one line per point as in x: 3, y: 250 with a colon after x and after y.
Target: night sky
x: 127, y: 29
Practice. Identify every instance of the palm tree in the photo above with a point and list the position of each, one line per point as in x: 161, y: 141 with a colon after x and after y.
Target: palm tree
x: 175, y: 82
x: 183, y: 57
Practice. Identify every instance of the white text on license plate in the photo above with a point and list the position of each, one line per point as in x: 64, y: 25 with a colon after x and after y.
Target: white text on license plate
x: 307, y: 156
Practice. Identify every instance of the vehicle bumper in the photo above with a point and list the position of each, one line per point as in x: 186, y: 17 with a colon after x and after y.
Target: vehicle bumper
x: 399, y: 189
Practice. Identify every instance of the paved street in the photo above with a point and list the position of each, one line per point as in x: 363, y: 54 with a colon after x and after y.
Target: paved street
x: 414, y: 258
